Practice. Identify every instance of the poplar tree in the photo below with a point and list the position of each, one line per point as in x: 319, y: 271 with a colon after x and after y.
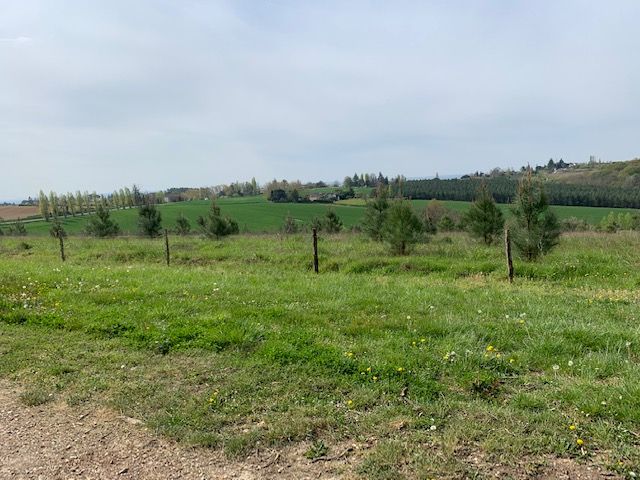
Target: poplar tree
x: 43, y: 205
x: 53, y: 203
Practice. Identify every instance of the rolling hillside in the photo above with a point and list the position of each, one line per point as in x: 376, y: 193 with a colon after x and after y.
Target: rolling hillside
x: 256, y: 215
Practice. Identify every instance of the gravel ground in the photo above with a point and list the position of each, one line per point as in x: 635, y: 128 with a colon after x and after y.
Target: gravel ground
x: 55, y: 441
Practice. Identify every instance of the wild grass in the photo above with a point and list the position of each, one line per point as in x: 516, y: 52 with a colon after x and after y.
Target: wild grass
x: 430, y: 359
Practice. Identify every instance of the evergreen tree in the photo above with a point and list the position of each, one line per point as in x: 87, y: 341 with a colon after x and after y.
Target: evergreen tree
x: 149, y: 220
x: 402, y: 228
x: 535, y: 228
x: 101, y: 225
x: 183, y: 227
x: 331, y: 223
x: 484, y: 219
x: 376, y: 214
x: 214, y: 225
x: 17, y: 229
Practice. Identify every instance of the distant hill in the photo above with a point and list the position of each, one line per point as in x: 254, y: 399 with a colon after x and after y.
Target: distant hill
x: 624, y: 174
x: 615, y: 184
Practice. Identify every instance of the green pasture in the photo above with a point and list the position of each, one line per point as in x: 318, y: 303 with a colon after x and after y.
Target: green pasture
x: 257, y: 215
x: 432, y: 364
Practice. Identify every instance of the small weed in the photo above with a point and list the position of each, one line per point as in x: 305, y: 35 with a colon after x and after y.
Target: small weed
x: 34, y: 397
x: 316, y: 450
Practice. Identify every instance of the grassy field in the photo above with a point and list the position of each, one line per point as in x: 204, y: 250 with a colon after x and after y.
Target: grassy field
x: 432, y: 363
x: 256, y: 215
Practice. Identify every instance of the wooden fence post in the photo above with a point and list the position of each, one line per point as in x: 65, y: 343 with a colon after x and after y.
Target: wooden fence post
x: 315, y: 250
x: 61, y: 247
x: 507, y: 247
x: 166, y: 246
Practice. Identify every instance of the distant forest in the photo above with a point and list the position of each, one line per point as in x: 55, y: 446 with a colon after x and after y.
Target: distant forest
x: 504, y: 189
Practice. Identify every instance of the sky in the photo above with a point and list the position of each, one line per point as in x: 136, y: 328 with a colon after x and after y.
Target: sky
x: 96, y: 95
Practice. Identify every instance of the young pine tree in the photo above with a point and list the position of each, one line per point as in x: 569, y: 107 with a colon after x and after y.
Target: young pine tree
x: 214, y: 225
x: 331, y: 223
x: 535, y: 229
x: 402, y: 228
x: 484, y: 219
x: 149, y: 221
x: 183, y: 227
x: 17, y: 229
x: 101, y: 225
x: 376, y: 214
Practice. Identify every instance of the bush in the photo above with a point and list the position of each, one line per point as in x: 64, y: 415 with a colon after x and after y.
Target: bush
x: 573, y: 224
x: 149, y: 221
x: 101, y: 225
x: 438, y: 217
x: 402, y: 228
x: 290, y: 226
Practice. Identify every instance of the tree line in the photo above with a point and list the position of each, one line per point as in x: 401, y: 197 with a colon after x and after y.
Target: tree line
x: 64, y: 205
x: 504, y: 190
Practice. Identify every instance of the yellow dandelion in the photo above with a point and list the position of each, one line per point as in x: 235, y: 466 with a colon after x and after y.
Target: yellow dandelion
x: 580, y: 442
x: 375, y: 379
x: 349, y: 403
x: 572, y: 427
x: 490, y: 348
x: 400, y: 369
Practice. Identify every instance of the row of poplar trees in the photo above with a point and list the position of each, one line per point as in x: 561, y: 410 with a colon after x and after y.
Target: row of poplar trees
x: 53, y: 205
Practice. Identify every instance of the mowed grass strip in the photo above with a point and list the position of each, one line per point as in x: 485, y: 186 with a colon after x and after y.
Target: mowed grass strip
x: 431, y: 360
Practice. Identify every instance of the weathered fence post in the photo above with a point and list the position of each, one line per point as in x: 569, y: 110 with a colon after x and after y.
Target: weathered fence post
x: 166, y: 246
x: 315, y: 250
x: 507, y: 247
x: 61, y: 247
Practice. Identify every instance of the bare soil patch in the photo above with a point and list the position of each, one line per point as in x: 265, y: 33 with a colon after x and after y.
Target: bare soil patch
x: 56, y: 441
x: 14, y: 212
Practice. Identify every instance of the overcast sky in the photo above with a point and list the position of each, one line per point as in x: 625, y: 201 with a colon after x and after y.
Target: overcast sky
x: 96, y: 95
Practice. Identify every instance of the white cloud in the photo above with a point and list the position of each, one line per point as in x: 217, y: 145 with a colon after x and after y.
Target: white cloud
x: 186, y: 92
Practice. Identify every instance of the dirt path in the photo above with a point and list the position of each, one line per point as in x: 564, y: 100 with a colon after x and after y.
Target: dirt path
x: 55, y: 441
